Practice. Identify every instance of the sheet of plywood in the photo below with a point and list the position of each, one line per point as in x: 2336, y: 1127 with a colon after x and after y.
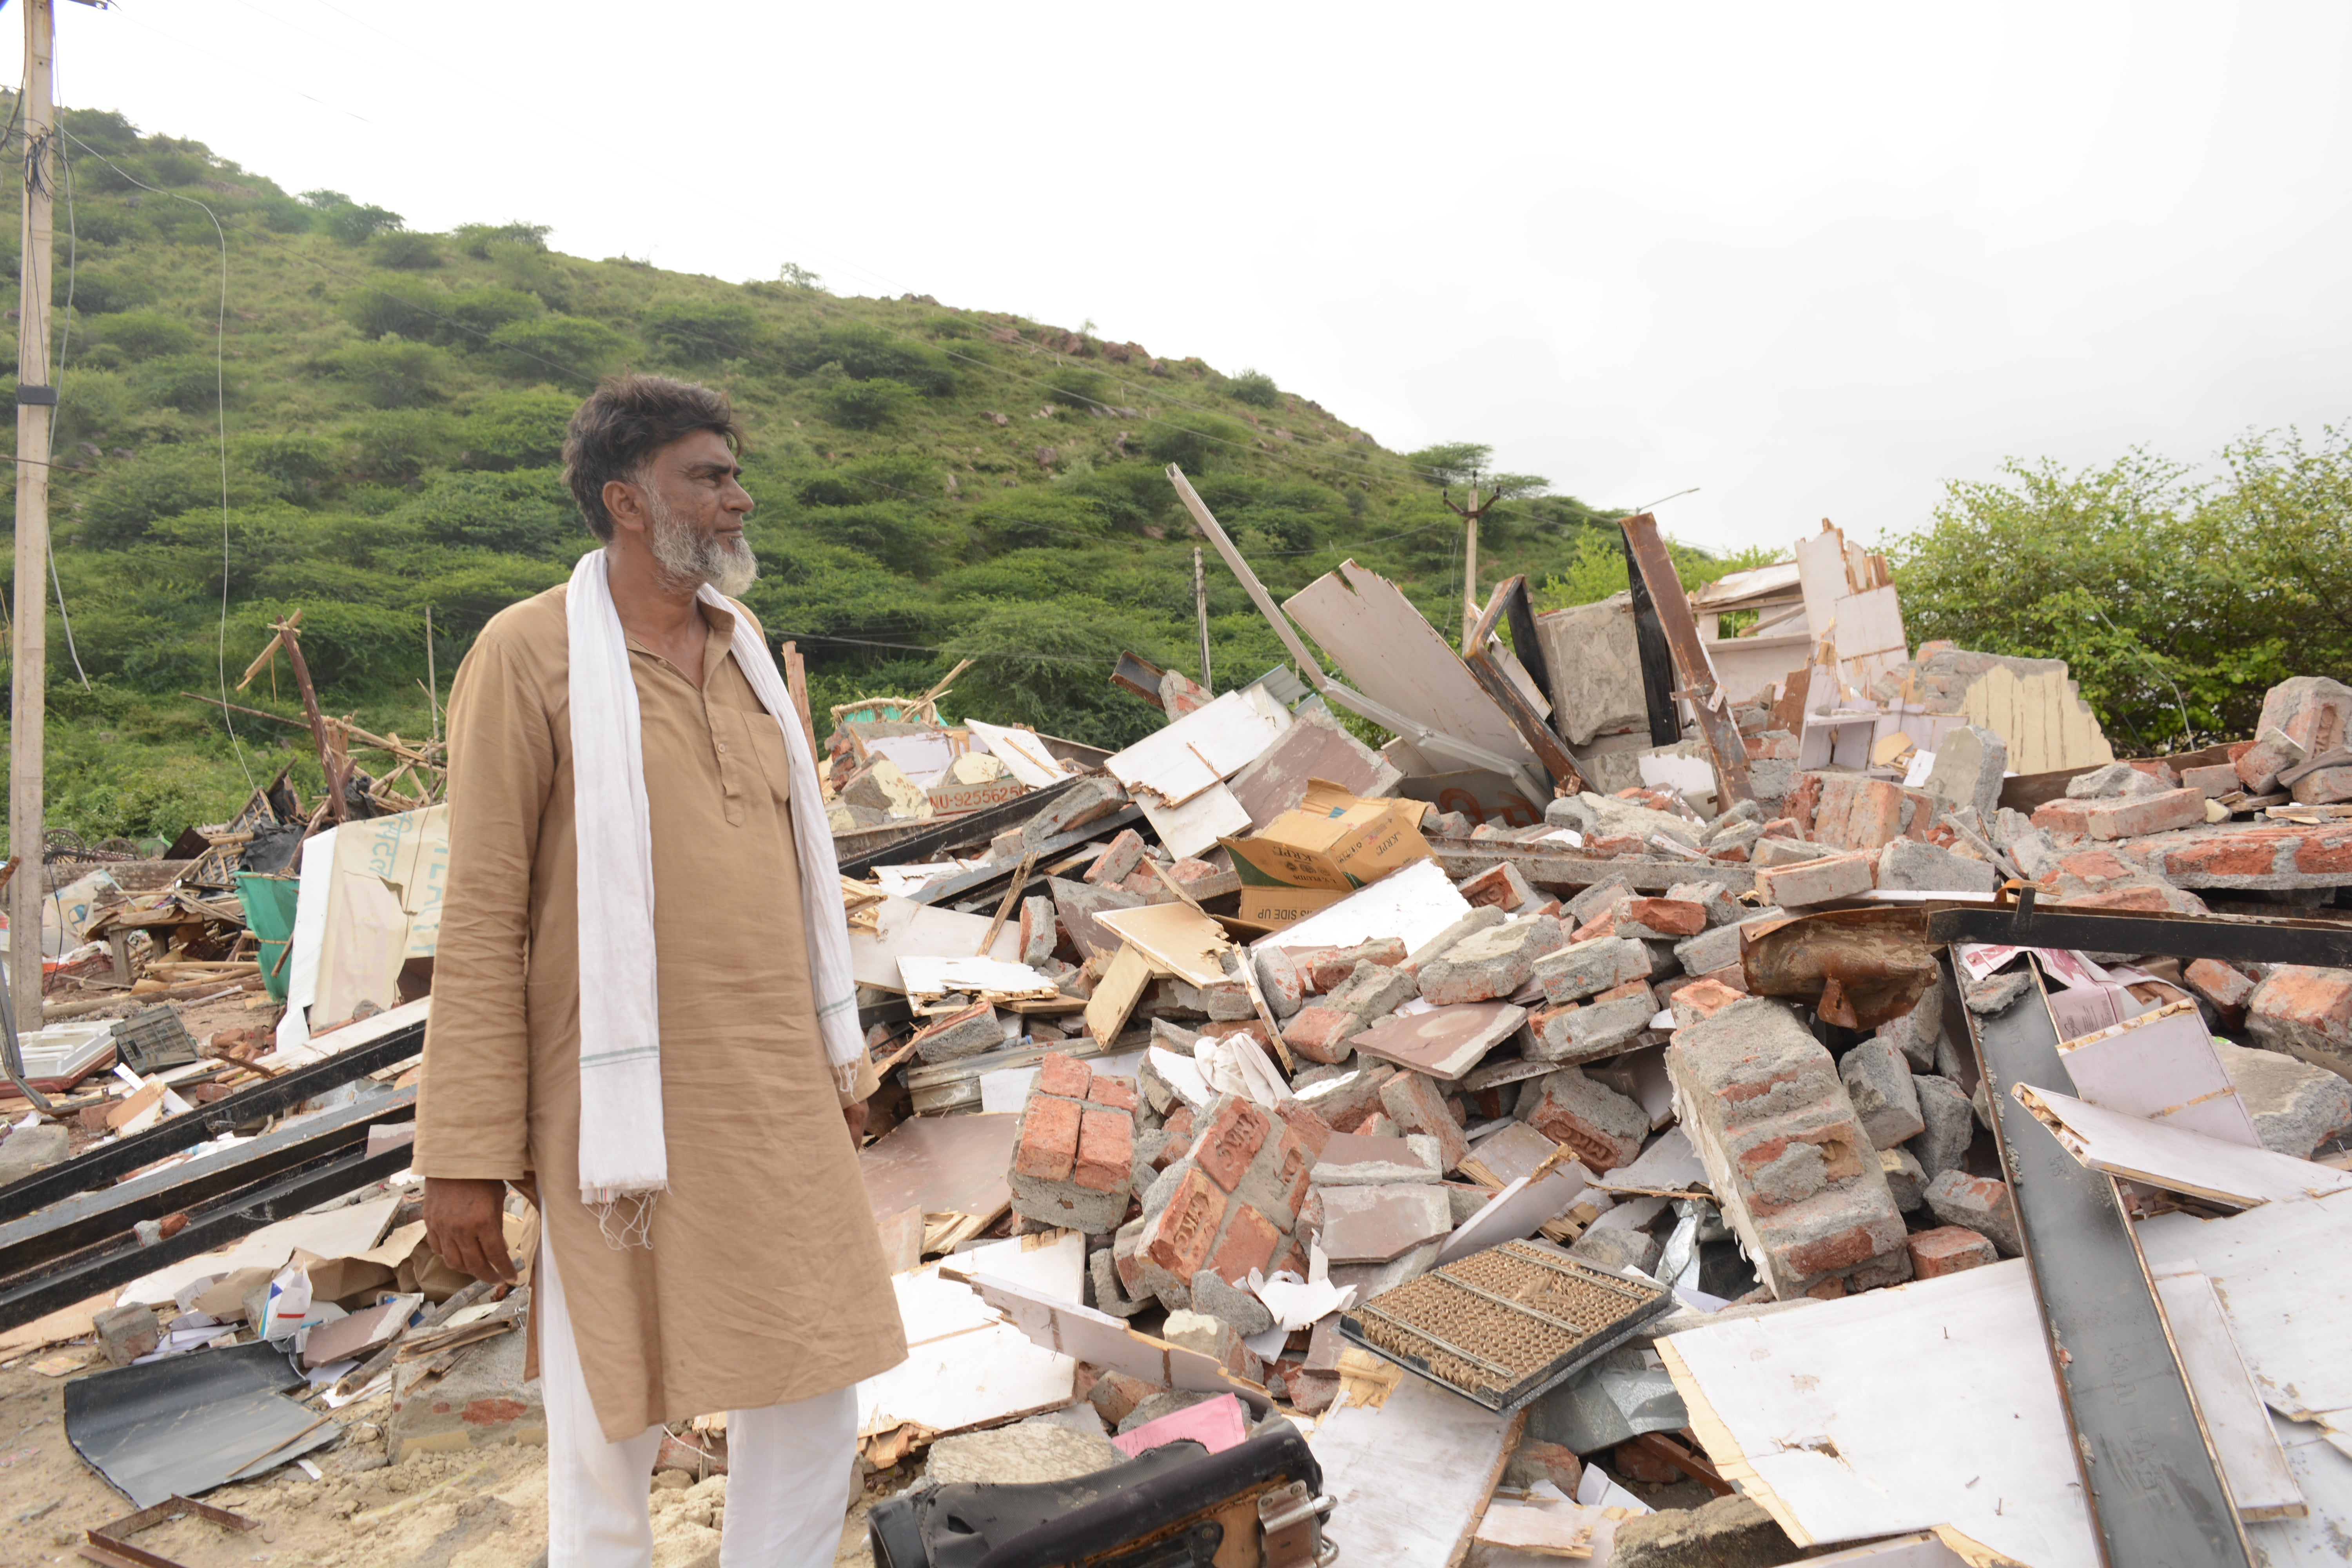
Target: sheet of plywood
x: 942, y: 1164
x: 1074, y: 1328
x: 1519, y: 1210
x: 1178, y: 939
x: 1204, y: 748
x: 1562, y: 1529
x: 2161, y: 1066
x: 1190, y: 828
x: 965, y: 1367
x: 1393, y: 655
x: 923, y: 976
x: 2176, y: 1159
x: 1794, y: 1409
x: 1412, y: 1475
x: 1116, y: 994
x: 2325, y: 1477
x: 1315, y: 747
x: 2046, y: 725
x: 1413, y: 903
x: 1669, y: 1167
x: 2254, y: 1464
x: 905, y: 929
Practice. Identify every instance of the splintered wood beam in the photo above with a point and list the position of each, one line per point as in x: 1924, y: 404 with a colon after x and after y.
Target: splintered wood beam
x: 1715, y: 726
x: 1497, y: 683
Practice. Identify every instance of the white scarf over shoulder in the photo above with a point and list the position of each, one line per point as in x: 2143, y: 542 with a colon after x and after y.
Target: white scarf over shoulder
x: 624, y: 1160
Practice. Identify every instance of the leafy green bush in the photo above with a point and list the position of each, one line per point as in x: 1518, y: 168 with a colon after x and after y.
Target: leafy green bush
x: 869, y: 353
x: 865, y: 404
x: 393, y: 372
x: 189, y: 383
x: 143, y: 334
x: 1194, y: 442
x: 1255, y: 388
x: 477, y: 314
x: 301, y: 468
x: 399, y: 444
x: 408, y: 251
x: 893, y: 532
x: 411, y: 307
x: 101, y: 290
x: 704, y: 331
x: 1084, y: 390
x: 547, y: 347
x: 128, y: 499
x: 98, y: 130
x: 1034, y: 517
x: 477, y: 238
x: 525, y: 512
x: 352, y: 222
x: 93, y: 405
x: 517, y: 429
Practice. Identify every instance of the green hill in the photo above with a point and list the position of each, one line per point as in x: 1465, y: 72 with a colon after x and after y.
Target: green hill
x: 933, y: 482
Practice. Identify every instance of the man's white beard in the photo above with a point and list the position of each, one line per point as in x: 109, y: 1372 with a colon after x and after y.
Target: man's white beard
x: 688, y: 556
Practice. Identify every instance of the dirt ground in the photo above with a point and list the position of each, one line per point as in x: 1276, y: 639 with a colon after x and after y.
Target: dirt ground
x: 485, y: 1508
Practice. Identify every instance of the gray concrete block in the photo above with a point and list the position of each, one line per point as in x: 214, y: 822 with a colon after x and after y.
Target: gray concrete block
x: 1907, y: 865
x: 1948, y: 1124
x: 1243, y: 1311
x: 1587, y: 968
x: 483, y: 1399
x: 1877, y: 1079
x: 2297, y: 1107
x: 1982, y: 1204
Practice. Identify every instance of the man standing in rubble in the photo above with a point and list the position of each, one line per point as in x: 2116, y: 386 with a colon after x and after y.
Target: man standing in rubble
x: 643, y: 1013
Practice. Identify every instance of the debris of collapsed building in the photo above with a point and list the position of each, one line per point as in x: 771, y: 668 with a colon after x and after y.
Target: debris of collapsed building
x: 1447, y: 1128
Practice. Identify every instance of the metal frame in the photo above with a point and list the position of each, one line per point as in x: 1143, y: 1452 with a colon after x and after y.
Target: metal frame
x: 944, y: 890
x: 971, y: 826
x: 2151, y: 1484
x: 2229, y: 939
x: 281, y: 1094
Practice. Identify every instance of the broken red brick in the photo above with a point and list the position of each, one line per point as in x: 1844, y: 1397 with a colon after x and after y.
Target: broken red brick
x: 1064, y: 1075
x: 1667, y: 917
x: 1947, y: 1249
x: 2226, y: 986
x: 1230, y: 1140
x: 1118, y: 1092
x: 1181, y: 1236
x: 1106, y: 1155
x: 1049, y: 1139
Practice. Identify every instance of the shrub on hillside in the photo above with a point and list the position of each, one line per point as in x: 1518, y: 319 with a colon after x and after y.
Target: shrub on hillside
x: 393, y: 372
x: 193, y: 384
x: 399, y: 444
x: 101, y: 290
x: 563, y: 349
x: 1037, y: 516
x: 527, y: 512
x: 301, y: 468
x: 865, y: 404
x: 704, y: 331
x: 143, y: 334
x: 517, y: 429
x: 1193, y: 441
x: 408, y: 251
x: 1255, y: 388
x: 868, y: 354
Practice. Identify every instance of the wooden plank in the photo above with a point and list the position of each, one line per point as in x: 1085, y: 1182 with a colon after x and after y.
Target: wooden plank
x: 1117, y: 993
x: 963, y: 1368
x: 1715, y: 725
x: 1178, y: 939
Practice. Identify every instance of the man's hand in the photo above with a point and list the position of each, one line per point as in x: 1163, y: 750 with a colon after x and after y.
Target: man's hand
x: 854, y: 1113
x: 465, y: 1223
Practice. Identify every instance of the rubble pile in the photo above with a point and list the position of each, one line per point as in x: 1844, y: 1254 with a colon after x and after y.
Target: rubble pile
x: 1486, y: 1105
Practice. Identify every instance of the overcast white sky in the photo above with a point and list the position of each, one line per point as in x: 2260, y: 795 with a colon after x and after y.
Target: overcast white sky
x: 1813, y: 260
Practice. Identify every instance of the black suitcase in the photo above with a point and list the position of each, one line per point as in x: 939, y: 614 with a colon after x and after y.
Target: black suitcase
x: 1176, y: 1506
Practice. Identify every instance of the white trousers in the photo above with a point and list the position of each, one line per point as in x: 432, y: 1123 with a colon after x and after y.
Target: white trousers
x: 788, y: 1466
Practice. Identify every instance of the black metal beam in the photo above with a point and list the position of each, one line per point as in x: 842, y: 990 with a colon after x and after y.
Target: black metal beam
x: 82, y: 1277
x: 88, y: 1218
x: 2228, y: 938
x: 2156, y: 1498
x: 275, y: 1098
x: 1656, y: 657
x: 971, y: 826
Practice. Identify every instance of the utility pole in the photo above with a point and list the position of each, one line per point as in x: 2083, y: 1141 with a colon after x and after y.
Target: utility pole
x: 1470, y: 515
x: 1201, y: 614
x: 36, y: 401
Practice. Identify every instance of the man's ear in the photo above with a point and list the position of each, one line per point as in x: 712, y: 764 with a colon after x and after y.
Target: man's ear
x: 623, y: 505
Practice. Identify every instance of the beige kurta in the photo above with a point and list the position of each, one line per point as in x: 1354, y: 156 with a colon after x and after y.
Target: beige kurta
x: 765, y: 1282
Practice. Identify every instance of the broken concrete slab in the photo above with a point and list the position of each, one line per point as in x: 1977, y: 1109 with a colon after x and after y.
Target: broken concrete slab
x: 1380, y: 1224
x: 1877, y: 1080
x: 1948, y: 1124
x: 1490, y: 964
x: 1909, y: 866
x: 1351, y: 1160
x: 1604, y: 1128
x: 2296, y: 1106
x: 1818, y: 881
x: 1583, y: 1031
x: 1969, y: 763
x: 1585, y: 969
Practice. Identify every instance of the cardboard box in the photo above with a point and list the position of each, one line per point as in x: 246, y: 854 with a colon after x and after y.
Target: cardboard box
x: 1275, y: 908
x: 1331, y: 839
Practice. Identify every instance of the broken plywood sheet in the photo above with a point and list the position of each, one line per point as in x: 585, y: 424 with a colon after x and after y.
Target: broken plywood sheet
x: 2047, y: 724
x: 1072, y: 1328
x: 1202, y: 749
x: 905, y: 929
x: 927, y: 976
x: 2176, y: 1159
x: 2160, y: 1067
x: 1668, y: 1168
x: 1116, y: 994
x: 1413, y: 904
x: 1794, y: 1408
x: 1414, y: 1474
x: 1393, y: 655
x: 1195, y: 826
x: 1022, y: 753
x: 1443, y: 1042
x: 1315, y: 747
x: 942, y: 1164
x: 2324, y: 1476
x: 1178, y: 938
x: 1504, y: 1156
x: 964, y: 1366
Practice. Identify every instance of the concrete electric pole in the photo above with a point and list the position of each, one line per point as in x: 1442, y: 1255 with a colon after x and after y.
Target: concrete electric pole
x: 36, y: 401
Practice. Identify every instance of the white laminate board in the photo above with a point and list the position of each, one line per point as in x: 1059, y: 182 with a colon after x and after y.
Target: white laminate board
x: 2283, y: 1273
x: 2325, y: 1477
x: 2176, y: 1159
x: 1194, y: 827
x: 1413, y: 903
x: 1021, y: 752
x: 905, y: 929
x: 1393, y: 655
x: 1411, y: 1476
x: 2161, y: 1066
x: 965, y: 1367
x: 1204, y: 748
x: 1976, y: 1438
x: 2254, y: 1464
